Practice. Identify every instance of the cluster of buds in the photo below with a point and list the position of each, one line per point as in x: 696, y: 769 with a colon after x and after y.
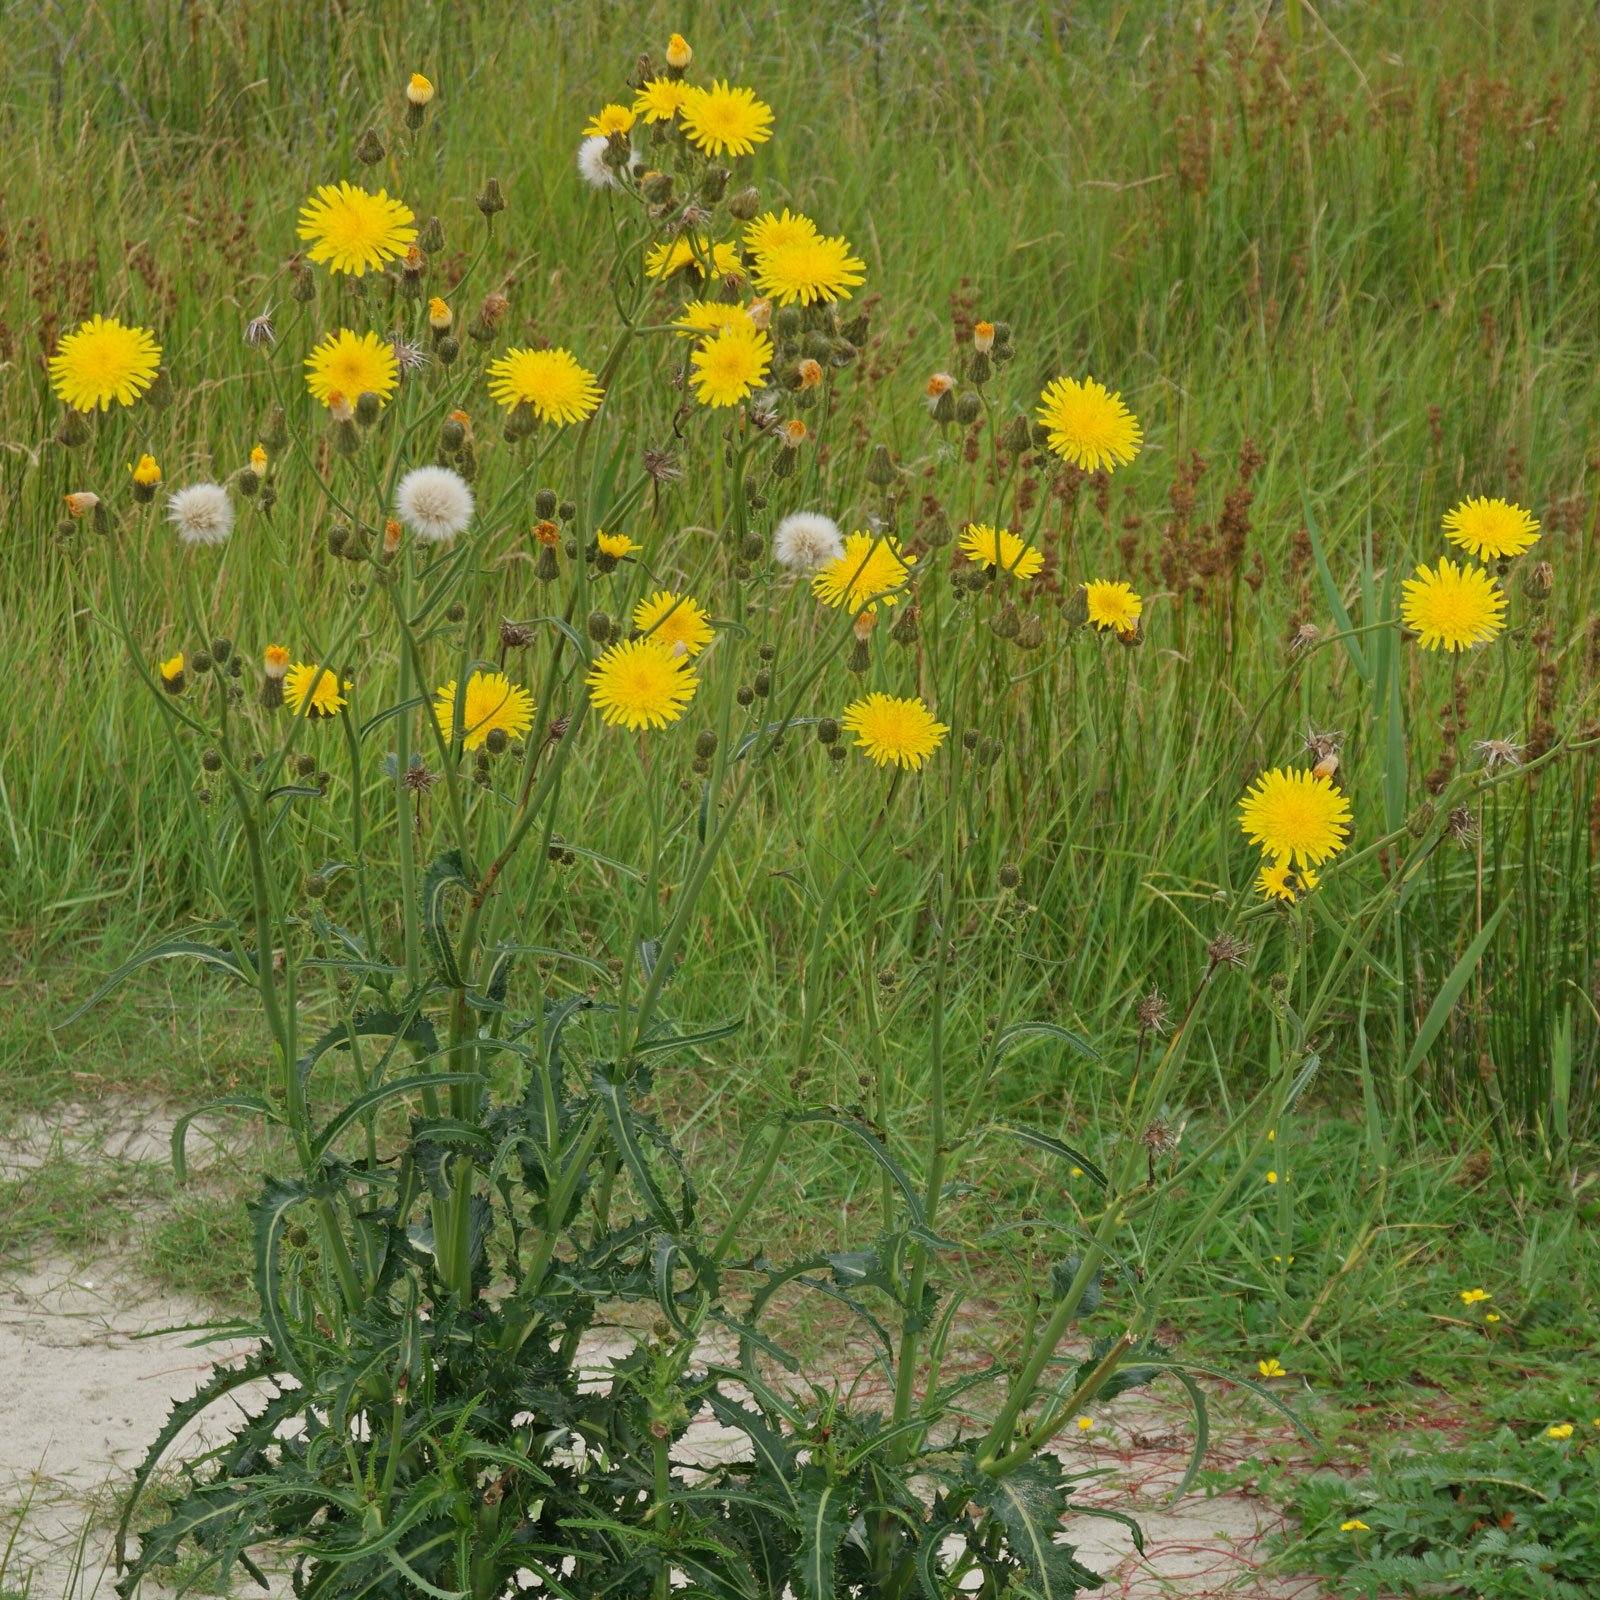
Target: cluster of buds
x: 810, y: 343
x: 991, y: 348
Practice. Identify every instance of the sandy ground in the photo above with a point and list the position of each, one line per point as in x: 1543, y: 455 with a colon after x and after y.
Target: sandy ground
x: 91, y: 1368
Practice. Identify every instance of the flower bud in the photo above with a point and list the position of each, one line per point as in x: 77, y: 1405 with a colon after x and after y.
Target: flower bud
x: 1005, y: 625
x: 447, y: 349
x: 744, y: 205
x: 789, y: 322
x: 979, y: 368
x: 1538, y: 581
x: 762, y: 684
x: 880, y: 468
x: 368, y: 405
x: 246, y: 481
x: 496, y: 741
x: 369, y: 148
x: 657, y: 188
x: 544, y: 504
x: 431, y: 238
x: 316, y: 886
x: 302, y: 287
x: 547, y: 569
x: 705, y: 744
x: 1075, y: 608
x: 159, y: 395
x: 944, y: 406
x: 679, y: 55
x: 745, y: 695
x: 491, y: 200
x: 74, y: 430
x: 200, y: 661
x: 520, y: 423
x: 419, y: 91
x: 983, y: 337
x: 211, y: 761
x: 1030, y: 634
x: 452, y: 435
x: 969, y: 407
x: 602, y: 627
x: 905, y: 630
x: 714, y: 184
x: 566, y: 511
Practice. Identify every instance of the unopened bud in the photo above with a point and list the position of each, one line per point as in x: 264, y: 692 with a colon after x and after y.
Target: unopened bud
x: 431, y: 238
x: 491, y: 200
x: 705, y: 744
x: 369, y: 148
x: 1538, y: 581
x: 368, y: 405
x: 880, y: 468
x: 744, y: 205
x: 544, y: 504
x: 969, y: 407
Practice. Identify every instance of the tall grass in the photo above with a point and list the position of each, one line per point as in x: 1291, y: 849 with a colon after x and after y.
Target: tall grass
x: 1354, y: 244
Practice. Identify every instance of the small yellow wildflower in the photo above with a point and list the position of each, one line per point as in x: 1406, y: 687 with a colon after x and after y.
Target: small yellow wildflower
x: 1559, y: 1430
x: 1271, y: 1368
x: 1354, y: 1525
x: 1471, y: 1297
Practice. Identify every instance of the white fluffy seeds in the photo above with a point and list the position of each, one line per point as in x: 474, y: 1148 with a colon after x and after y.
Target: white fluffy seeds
x: 434, y: 503
x: 806, y: 540
x: 202, y: 513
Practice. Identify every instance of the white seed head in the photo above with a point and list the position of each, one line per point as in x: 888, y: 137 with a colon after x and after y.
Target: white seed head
x: 592, y: 164
x: 202, y: 513
x: 806, y: 540
x: 434, y: 503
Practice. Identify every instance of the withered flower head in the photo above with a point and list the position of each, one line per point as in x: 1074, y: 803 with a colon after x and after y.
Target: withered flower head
x: 1228, y: 950
x: 1152, y: 1012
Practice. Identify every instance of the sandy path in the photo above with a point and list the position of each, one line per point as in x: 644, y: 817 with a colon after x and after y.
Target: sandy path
x: 90, y: 1374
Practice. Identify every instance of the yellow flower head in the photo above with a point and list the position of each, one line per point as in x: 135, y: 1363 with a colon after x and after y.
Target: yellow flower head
x: 807, y: 270
x: 890, y: 729
x: 1472, y: 1297
x: 146, y: 472
x: 772, y: 232
x: 722, y: 120
x: 729, y: 365
x: 1491, y: 529
x: 675, y: 621
x: 1000, y: 547
x: 639, y: 683
x: 1297, y: 817
x: 1089, y: 425
x: 1277, y: 880
x: 440, y: 317
x: 868, y: 571
x: 679, y: 55
x: 615, y: 545
x: 1271, y: 1368
x: 258, y: 459
x: 313, y: 691
x: 1113, y: 605
x: 348, y: 365
x: 1354, y: 1525
x: 171, y: 669
x: 660, y: 99
x: 611, y: 119
x: 275, y: 661
x: 353, y: 231
x: 491, y: 703
x: 709, y: 316
x: 1559, y: 1430
x: 1494, y: 1316
x: 1085, y: 1424
x: 104, y: 361
x: 662, y: 260
x: 550, y: 381
x: 419, y: 91
x: 1272, y: 1177
x: 1452, y: 606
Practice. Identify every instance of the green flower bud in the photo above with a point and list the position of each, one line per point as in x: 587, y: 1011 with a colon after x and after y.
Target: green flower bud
x: 969, y: 407
x: 705, y: 744
x: 880, y: 468
x: 316, y: 886
x: 495, y: 741
x: 544, y: 504
x: 491, y: 200
x: 369, y: 148
x: 828, y: 730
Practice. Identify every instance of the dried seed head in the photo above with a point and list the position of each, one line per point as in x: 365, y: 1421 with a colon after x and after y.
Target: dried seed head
x: 1499, y: 753
x: 1463, y: 825
x: 1152, y: 1012
x: 1228, y: 950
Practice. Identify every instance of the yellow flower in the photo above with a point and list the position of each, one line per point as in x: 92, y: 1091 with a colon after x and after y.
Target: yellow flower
x: 550, y: 381
x: 1272, y: 1177
x: 171, y: 670
x: 1089, y: 425
x: 440, y: 317
x: 146, y: 472
x: 313, y: 691
x: 990, y: 547
x: 1472, y: 1297
x: 104, y: 361
x: 679, y: 55
x: 709, y: 316
x: 258, y: 460
x: 890, y: 729
x: 1354, y: 1525
x: 870, y: 568
x: 1491, y: 528
x: 615, y: 545
x: 722, y: 119
x: 807, y: 270
x: 641, y: 684
x: 1113, y: 605
x: 1271, y: 1368
x: 1494, y: 1316
x: 1277, y: 880
x: 662, y: 260
x: 660, y: 99
x: 728, y: 366
x: 1452, y: 606
x: 1297, y: 817
x: 1085, y: 1424
x: 675, y: 621
x: 1559, y: 1430
x: 771, y: 231
x: 612, y: 119
x: 491, y: 703
x: 419, y: 91
x: 348, y: 365
x: 353, y: 231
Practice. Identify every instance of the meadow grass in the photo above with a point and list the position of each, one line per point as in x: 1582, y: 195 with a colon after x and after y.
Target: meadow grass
x: 1338, y: 262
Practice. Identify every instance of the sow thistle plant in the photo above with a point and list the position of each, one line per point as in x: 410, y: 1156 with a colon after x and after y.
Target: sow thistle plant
x: 382, y: 792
